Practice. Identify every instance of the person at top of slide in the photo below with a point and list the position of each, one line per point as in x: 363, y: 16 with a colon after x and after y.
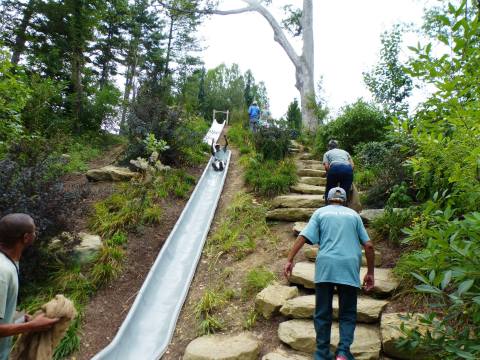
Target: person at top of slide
x: 253, y: 116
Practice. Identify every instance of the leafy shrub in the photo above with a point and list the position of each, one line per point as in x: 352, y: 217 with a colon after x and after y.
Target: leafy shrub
x: 27, y: 185
x: 358, y: 123
x: 272, y: 142
x: 182, y: 132
x: 390, y: 226
x: 241, y: 137
x: 270, y: 178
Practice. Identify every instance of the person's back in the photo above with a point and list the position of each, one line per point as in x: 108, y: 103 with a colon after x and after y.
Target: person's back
x: 339, y: 258
x: 337, y: 156
x: 254, y: 112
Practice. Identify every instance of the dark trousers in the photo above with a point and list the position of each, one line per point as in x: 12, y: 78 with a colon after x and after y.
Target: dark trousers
x: 339, y: 174
x: 218, y: 165
x: 347, y: 317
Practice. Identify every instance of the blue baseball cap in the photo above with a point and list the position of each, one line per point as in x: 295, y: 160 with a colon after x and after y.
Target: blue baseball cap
x: 337, y: 193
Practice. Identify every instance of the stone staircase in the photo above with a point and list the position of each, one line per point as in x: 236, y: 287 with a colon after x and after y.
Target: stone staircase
x: 375, y: 334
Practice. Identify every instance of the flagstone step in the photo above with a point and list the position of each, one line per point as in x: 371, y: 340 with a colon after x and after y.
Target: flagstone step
x: 294, y: 150
x: 281, y: 354
x: 290, y: 214
x: 298, y: 201
x: 307, y: 189
x: 390, y: 333
x: 303, y: 164
x: 300, y: 335
x: 385, y: 283
x: 368, y: 309
x: 310, y: 252
x: 311, y: 172
x: 306, y: 156
x: 273, y: 297
x: 317, y: 181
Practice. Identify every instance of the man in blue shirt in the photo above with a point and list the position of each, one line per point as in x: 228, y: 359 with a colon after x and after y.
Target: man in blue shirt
x: 340, y: 233
x: 253, y: 116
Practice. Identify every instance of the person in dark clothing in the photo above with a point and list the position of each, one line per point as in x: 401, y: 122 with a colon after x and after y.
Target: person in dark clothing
x: 339, y: 166
x: 219, y: 155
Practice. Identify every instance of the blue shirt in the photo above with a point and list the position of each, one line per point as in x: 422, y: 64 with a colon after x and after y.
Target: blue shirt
x: 339, y: 232
x: 254, y: 112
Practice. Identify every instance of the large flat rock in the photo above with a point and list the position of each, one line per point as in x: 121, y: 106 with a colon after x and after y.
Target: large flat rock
x: 369, y: 215
x: 273, y: 297
x: 111, y: 173
x: 390, y: 332
x: 281, y: 354
x: 306, y: 156
x: 307, y: 189
x: 290, y: 214
x: 303, y: 307
x: 222, y: 347
x: 298, y: 201
x: 385, y: 283
x: 300, y: 335
x: 311, y: 172
x: 317, y: 181
x: 310, y: 252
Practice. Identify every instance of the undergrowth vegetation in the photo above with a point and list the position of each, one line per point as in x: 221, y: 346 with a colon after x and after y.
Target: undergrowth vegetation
x: 268, y: 169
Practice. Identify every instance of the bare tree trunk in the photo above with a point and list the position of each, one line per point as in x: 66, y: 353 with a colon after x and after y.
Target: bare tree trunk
x: 304, y: 64
x: 130, y: 75
x: 21, y: 37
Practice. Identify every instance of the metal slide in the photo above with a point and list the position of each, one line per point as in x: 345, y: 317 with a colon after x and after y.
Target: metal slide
x: 150, y: 323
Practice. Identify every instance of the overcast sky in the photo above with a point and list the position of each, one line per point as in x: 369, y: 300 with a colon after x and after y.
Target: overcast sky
x: 347, y: 43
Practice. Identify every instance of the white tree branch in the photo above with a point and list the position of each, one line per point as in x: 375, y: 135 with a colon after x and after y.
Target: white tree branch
x: 278, y: 34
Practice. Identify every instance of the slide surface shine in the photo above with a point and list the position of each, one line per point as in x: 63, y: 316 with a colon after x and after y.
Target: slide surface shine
x: 150, y: 323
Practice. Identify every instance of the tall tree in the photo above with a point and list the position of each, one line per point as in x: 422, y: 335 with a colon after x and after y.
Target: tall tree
x: 388, y: 82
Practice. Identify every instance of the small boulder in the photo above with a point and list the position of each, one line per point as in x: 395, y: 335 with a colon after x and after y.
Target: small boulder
x: 271, y: 299
x: 223, y: 347
x: 310, y: 252
x: 298, y: 227
x: 111, y: 173
x: 88, y: 247
x: 303, y: 274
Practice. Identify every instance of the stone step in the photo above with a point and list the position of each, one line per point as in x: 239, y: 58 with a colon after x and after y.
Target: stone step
x: 311, y: 161
x: 281, y: 354
x: 298, y: 201
x: 273, y: 297
x: 302, y: 307
x: 390, y: 332
x: 307, y: 189
x: 317, y: 181
x: 309, y: 165
x: 243, y: 346
x: 312, y: 172
x: 298, y: 227
x: 306, y: 156
x: 310, y: 252
x: 300, y: 335
x: 385, y: 283
x: 294, y: 150
x: 290, y: 214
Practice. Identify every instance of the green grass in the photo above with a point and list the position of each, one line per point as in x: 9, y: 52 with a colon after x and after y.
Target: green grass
x: 209, y: 302
x: 241, y: 227
x: 250, y: 320
x: 257, y: 279
x: 269, y: 177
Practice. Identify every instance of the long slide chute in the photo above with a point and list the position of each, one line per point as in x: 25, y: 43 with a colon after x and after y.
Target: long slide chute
x: 150, y: 323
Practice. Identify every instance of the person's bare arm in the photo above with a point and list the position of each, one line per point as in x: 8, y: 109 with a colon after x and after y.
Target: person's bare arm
x: 226, y: 142
x: 287, y: 269
x: 212, y: 148
x: 40, y: 323
x: 369, y: 281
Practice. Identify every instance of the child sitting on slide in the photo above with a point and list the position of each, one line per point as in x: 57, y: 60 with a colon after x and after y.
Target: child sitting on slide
x: 219, y: 155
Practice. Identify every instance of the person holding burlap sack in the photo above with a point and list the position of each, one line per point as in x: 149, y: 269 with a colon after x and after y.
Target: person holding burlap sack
x: 17, y: 232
